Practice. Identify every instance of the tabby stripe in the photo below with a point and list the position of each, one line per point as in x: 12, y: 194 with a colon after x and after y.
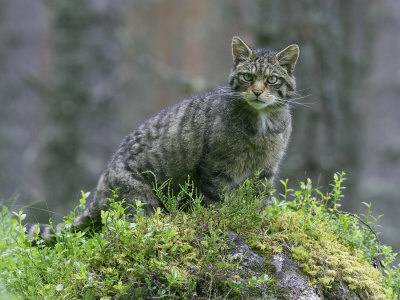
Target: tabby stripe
x: 223, y: 175
x: 45, y: 231
x: 31, y: 230
x: 183, y: 119
x: 290, y: 87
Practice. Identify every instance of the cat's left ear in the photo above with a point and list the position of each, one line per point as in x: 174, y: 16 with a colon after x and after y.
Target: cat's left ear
x: 240, y: 50
x: 287, y: 57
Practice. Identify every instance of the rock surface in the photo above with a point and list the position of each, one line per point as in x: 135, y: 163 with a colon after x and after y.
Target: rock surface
x: 291, y: 282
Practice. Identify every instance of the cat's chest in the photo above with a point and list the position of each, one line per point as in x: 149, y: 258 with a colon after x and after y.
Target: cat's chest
x: 263, y: 124
x: 258, y: 135
x: 264, y: 145
x: 268, y: 127
x: 258, y: 147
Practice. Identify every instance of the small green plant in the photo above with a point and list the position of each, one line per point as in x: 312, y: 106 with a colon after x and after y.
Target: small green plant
x: 187, y: 197
x: 184, y: 254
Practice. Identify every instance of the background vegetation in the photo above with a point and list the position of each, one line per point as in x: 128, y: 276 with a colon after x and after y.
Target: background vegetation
x: 77, y: 76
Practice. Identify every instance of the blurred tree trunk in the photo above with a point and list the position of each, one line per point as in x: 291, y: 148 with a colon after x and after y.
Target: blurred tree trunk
x: 84, y: 54
x: 22, y: 56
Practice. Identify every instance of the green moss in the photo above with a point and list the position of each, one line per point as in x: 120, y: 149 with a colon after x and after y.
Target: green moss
x: 184, y: 254
x: 311, y: 241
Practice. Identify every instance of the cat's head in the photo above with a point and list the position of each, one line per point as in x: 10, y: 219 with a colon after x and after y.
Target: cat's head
x: 264, y: 78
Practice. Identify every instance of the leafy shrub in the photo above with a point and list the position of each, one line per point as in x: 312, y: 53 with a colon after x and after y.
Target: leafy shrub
x: 183, y: 254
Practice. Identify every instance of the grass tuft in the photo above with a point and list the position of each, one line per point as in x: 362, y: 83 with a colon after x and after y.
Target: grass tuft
x: 183, y: 254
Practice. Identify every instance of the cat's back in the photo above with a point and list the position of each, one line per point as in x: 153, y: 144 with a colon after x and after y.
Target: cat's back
x: 175, y: 138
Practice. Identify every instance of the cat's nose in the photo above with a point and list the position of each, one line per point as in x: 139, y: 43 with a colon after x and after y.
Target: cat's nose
x: 257, y: 91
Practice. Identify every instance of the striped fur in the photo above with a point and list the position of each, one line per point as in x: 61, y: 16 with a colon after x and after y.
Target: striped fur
x: 218, y: 138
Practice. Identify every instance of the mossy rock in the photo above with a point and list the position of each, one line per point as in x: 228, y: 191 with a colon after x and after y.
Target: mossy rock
x: 291, y: 282
x: 244, y: 249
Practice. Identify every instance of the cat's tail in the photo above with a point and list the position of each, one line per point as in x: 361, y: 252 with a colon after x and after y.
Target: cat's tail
x: 46, y: 232
x: 49, y: 233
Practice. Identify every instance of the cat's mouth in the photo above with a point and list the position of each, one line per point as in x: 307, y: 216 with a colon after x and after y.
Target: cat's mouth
x: 259, y: 102
x: 262, y: 100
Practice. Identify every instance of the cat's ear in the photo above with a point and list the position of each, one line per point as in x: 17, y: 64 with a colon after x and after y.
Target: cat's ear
x: 287, y: 57
x: 240, y: 50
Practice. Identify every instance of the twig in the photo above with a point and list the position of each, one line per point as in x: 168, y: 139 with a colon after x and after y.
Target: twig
x: 369, y: 227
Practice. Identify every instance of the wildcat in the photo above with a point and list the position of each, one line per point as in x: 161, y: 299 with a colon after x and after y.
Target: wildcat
x: 218, y: 138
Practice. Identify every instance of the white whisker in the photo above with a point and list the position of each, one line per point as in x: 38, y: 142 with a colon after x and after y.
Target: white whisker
x: 302, y: 90
x: 293, y: 101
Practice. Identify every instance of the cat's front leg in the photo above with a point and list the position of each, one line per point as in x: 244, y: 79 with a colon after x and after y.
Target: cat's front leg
x: 213, y: 184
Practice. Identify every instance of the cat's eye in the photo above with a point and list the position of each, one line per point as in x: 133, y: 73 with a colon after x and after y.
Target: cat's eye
x: 272, y: 79
x: 248, y: 76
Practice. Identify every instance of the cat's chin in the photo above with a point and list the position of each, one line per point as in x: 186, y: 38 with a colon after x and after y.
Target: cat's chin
x: 259, y: 104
